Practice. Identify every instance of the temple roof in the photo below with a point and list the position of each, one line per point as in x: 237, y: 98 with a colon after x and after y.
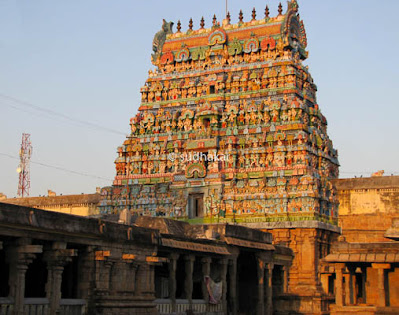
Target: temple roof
x: 284, y: 29
x: 364, y: 252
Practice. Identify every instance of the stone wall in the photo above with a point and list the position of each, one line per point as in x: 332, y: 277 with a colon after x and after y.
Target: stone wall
x: 368, y: 195
x: 82, y: 205
x: 367, y: 207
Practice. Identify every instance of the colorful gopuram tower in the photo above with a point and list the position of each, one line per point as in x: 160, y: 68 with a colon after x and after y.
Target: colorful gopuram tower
x: 229, y: 130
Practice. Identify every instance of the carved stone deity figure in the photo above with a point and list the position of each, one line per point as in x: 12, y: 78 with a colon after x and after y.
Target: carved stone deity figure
x: 160, y: 37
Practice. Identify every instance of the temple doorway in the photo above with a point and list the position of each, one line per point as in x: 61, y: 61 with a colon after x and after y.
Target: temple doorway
x: 196, y: 205
x: 247, y: 283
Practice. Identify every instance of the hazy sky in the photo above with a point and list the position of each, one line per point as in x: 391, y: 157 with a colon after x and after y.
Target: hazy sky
x: 87, y: 59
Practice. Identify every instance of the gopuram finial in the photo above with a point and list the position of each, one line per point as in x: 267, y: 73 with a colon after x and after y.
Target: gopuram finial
x: 280, y: 9
x: 202, y: 23
x: 241, y: 16
x: 214, y: 20
x: 178, y: 26
x: 267, y: 12
x: 190, y: 24
x: 253, y: 14
x: 228, y: 17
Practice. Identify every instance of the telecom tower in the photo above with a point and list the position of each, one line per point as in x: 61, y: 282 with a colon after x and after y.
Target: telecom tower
x: 23, y: 168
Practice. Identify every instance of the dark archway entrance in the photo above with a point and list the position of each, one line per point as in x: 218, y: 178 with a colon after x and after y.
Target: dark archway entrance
x: 36, y: 278
x: 196, y: 205
x: 4, y: 274
x: 247, y: 283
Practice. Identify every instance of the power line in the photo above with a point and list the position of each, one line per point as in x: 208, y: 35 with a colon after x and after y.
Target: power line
x: 57, y: 114
x: 40, y: 114
x: 58, y: 168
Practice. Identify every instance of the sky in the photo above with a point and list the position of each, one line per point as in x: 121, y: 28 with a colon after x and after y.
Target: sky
x: 71, y: 72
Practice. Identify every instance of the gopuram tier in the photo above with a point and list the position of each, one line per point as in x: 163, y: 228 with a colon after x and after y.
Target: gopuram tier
x: 229, y: 129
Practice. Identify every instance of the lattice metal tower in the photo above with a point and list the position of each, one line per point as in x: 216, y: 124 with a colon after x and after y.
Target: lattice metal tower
x: 24, y: 168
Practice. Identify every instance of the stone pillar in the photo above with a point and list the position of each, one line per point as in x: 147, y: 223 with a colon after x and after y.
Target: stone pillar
x: 19, y: 256
x: 17, y: 284
x: 206, y: 272
x: 364, y: 279
x: 56, y: 258
x: 103, y: 276
x: 324, y: 281
x: 114, y: 276
x: 129, y: 267
x: 86, y: 261
x: 381, y: 283
x: 381, y: 287
x: 260, y: 310
x: 145, y: 280
x: 338, y: 284
x: 285, y: 278
x: 103, y: 267
x: 150, y: 279
x: 269, y: 289
x: 223, y: 273
x: 352, y: 285
x: 143, y: 286
x: 233, y: 285
x: 53, y: 286
x: 347, y: 289
x: 172, y: 279
x: 188, y: 280
x: 129, y: 287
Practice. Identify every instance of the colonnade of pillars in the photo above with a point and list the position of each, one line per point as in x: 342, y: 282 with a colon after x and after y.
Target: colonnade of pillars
x: 264, y: 281
x: 225, y: 265
x: 21, y: 255
x: 349, y: 285
x: 265, y: 286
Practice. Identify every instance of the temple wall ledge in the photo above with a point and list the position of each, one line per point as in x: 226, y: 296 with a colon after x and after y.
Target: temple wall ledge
x: 294, y: 224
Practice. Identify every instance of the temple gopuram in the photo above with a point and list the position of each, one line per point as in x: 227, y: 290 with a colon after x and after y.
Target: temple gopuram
x: 229, y: 131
